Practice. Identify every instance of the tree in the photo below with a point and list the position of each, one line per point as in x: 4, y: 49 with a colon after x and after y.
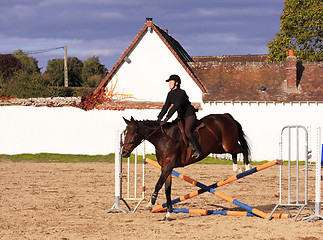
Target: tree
x: 300, y: 30
x: 55, y: 72
x: 26, y: 81
x: 8, y: 66
x: 74, y: 66
x: 29, y: 63
x: 93, y: 72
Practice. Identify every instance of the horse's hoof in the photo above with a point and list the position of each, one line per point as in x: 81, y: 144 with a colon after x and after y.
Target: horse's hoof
x: 149, y: 207
x: 168, y: 219
x: 239, y: 170
x: 247, y: 167
x: 235, y: 168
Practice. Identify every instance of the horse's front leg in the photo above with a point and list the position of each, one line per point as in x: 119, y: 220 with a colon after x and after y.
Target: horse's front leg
x: 162, y: 179
x: 168, y: 189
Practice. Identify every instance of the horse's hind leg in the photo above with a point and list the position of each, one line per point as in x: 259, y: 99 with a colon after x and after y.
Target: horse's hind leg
x: 235, y: 167
x: 246, y: 160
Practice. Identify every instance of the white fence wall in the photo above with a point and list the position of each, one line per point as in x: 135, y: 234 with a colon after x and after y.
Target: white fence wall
x: 263, y: 122
x: 74, y: 131
x: 62, y: 130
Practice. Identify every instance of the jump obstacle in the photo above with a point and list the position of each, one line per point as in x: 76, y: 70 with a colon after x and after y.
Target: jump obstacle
x: 118, y: 179
x: 203, y: 188
x: 301, y: 203
x: 318, y: 179
x: 215, y: 185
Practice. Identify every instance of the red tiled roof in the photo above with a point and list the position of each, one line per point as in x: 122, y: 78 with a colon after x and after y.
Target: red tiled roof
x: 231, y: 58
x: 252, y: 80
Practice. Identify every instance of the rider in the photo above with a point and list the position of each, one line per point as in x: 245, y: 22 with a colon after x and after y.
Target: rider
x: 178, y: 98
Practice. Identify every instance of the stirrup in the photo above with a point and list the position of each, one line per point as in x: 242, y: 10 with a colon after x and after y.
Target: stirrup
x: 196, y: 154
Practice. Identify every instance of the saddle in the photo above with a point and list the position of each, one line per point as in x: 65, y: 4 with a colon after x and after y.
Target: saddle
x: 197, y: 126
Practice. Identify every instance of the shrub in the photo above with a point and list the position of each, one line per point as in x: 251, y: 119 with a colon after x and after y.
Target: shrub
x: 25, y: 85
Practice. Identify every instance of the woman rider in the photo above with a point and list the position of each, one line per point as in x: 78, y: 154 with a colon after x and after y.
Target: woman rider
x: 185, y: 110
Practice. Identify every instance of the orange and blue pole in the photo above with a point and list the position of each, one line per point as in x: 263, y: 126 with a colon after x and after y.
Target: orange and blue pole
x: 211, y: 190
x: 221, y: 195
x: 224, y: 213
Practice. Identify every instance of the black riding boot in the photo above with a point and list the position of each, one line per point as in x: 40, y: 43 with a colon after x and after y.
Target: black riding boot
x: 197, y: 151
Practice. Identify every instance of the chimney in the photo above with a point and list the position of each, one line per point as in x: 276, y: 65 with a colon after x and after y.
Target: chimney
x: 149, y: 20
x: 166, y: 31
x: 291, y: 70
x: 149, y: 23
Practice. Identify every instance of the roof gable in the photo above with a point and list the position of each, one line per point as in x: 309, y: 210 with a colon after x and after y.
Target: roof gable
x: 175, y: 48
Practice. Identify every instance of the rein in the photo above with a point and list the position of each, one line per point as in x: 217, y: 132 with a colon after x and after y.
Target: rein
x: 162, y: 130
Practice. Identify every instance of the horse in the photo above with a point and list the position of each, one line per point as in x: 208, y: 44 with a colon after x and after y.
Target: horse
x: 221, y: 133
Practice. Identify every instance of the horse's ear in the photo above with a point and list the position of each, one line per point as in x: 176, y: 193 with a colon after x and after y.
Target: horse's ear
x: 126, y: 121
x: 132, y: 119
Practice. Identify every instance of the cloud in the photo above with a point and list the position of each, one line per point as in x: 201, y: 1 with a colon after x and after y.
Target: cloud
x: 214, y: 44
x: 236, y: 12
x: 101, y: 47
x: 105, y: 28
x: 50, y: 19
x: 108, y: 50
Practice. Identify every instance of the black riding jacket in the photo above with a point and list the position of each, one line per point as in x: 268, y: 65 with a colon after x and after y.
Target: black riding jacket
x: 181, y: 104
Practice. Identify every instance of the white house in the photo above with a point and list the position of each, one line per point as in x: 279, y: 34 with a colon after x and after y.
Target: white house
x: 149, y: 60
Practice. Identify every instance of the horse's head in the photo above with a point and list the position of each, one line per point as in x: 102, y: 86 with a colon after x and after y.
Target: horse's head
x: 131, y: 138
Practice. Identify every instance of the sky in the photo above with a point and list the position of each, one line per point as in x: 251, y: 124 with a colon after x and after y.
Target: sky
x: 105, y: 28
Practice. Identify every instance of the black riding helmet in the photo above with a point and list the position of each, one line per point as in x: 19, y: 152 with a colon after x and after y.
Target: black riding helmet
x: 174, y: 77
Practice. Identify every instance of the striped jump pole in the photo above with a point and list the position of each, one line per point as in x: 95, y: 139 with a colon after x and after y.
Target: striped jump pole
x: 224, y: 213
x: 218, y: 184
x: 216, y: 193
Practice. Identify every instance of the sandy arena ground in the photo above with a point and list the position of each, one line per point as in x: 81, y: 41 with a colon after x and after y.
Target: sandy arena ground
x: 68, y: 200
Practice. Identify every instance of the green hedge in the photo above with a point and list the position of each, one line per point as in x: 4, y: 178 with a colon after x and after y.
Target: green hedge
x: 45, y: 92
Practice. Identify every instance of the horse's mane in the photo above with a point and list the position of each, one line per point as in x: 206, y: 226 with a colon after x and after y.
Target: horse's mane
x: 147, y: 121
x: 154, y: 122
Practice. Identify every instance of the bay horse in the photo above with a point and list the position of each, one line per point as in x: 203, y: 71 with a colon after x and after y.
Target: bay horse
x: 221, y: 134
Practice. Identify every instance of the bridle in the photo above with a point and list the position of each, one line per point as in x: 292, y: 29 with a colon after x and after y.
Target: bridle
x: 136, y: 136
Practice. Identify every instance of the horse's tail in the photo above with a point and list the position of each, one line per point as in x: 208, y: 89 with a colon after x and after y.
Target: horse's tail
x: 242, y: 137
